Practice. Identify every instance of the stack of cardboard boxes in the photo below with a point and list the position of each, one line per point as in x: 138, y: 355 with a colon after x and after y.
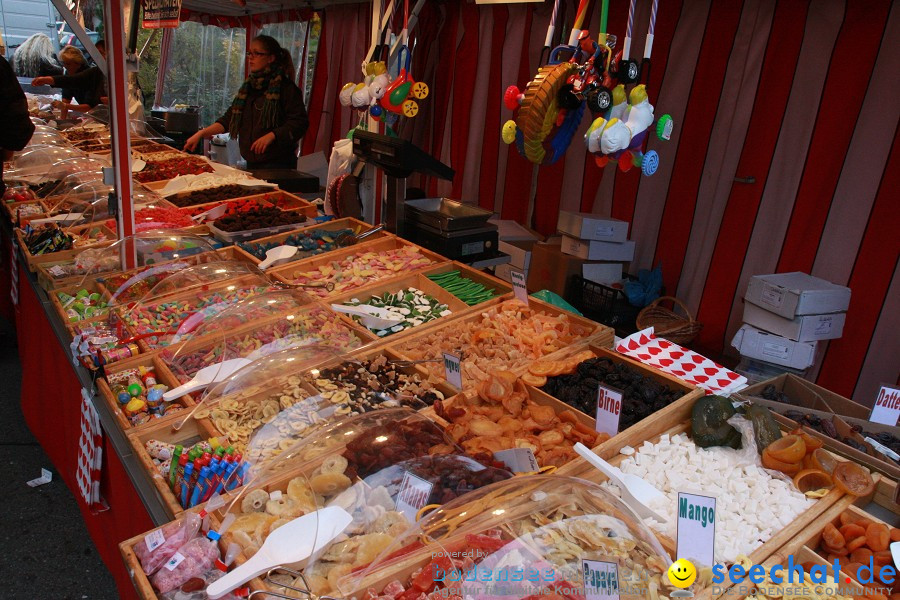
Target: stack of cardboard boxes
x: 785, y: 317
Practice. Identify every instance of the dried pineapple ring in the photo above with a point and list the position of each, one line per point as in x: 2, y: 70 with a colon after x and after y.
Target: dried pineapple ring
x: 278, y: 523
x: 334, y: 464
x: 392, y: 523
x: 255, y: 501
x: 282, y: 507
x: 329, y: 484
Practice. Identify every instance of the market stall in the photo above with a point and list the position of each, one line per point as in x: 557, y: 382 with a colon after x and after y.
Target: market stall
x: 252, y: 390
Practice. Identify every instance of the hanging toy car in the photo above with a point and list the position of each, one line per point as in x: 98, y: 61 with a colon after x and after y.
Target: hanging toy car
x: 398, y: 96
x: 620, y: 135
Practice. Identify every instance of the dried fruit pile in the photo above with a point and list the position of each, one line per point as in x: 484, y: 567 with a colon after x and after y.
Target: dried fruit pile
x: 214, y: 194
x: 169, y: 169
x: 250, y: 215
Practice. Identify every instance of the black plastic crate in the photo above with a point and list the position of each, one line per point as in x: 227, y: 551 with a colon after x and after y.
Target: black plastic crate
x: 602, y: 303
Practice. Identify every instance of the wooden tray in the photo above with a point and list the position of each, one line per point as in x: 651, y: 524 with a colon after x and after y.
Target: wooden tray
x: 672, y: 420
x: 333, y: 225
x: 803, y: 548
x: 688, y: 390
x: 418, y: 281
x: 91, y: 287
x: 289, y: 202
x: 161, y: 374
x: 192, y: 432
x: 285, y: 273
x: 64, y: 255
x: 10, y: 208
x: 502, y: 289
x: 599, y: 334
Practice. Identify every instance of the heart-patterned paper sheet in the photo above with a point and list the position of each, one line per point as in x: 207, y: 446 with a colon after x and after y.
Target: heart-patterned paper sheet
x: 681, y: 362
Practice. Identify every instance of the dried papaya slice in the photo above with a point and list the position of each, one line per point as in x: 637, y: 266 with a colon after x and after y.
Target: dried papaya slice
x: 773, y: 463
x: 789, y: 449
x: 535, y: 380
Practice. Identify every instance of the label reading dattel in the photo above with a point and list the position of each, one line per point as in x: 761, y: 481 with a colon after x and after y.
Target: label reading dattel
x: 887, y: 406
x: 453, y: 370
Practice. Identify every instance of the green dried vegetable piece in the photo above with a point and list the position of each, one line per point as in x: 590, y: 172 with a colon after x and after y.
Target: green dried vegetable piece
x: 709, y: 423
x: 765, y: 428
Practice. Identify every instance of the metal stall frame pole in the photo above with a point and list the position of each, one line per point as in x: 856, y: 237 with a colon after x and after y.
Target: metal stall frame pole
x: 114, y: 23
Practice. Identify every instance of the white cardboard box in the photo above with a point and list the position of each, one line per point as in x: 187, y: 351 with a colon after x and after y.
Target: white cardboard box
x: 792, y: 294
x: 519, y: 253
x: 804, y: 328
x: 605, y: 273
x: 593, y: 250
x: 586, y: 226
x: 768, y: 347
x: 502, y: 271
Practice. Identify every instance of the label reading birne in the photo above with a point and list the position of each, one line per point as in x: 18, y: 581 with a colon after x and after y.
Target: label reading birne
x: 887, y: 406
x: 609, y: 409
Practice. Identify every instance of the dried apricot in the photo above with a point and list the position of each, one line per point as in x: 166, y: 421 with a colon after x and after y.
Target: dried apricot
x: 789, y: 449
x: 847, y: 518
x: 895, y: 534
x: 857, y: 542
x: 853, y: 479
x: 878, y: 537
x: 852, y: 531
x: 883, y: 558
x: 773, y: 463
x: 842, y: 551
x: 832, y: 537
x: 861, y: 555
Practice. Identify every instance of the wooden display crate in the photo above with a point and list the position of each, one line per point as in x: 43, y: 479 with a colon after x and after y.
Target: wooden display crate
x: 673, y: 420
x: 804, y: 547
x: 502, y: 289
x: 286, y: 272
x: 64, y: 255
x: 92, y: 287
x: 48, y: 281
x: 11, y: 208
x: 288, y: 202
x: 688, y: 391
x: 164, y: 430
x: 391, y: 286
x: 592, y: 331
x: 161, y: 374
x: 333, y: 225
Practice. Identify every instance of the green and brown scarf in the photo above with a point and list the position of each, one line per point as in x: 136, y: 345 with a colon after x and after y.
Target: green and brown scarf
x: 268, y: 79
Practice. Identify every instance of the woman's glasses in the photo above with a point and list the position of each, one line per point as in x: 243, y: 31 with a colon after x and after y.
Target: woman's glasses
x: 254, y: 54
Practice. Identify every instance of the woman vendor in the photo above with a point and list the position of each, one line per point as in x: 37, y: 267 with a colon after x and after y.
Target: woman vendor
x: 85, y: 85
x: 267, y: 116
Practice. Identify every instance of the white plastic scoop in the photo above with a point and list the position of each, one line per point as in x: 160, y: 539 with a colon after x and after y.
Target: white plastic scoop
x: 206, y: 376
x: 372, y: 317
x: 63, y: 218
x: 274, y: 255
x: 289, y: 544
x: 636, y: 492
x: 211, y: 214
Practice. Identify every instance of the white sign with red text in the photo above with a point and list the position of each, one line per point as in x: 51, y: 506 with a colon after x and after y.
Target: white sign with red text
x: 887, y: 406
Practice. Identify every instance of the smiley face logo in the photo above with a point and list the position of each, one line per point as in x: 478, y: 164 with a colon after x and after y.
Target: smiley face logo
x: 682, y: 573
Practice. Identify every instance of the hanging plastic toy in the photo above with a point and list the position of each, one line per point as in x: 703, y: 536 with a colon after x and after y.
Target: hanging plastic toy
x: 366, y: 96
x: 399, y: 96
x: 620, y: 135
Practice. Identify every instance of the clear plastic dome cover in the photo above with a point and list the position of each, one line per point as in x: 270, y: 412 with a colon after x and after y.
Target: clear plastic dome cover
x: 375, y: 471
x: 36, y: 164
x: 529, y: 536
x: 257, y: 326
x: 179, y: 303
x: 73, y: 179
x: 84, y: 203
x: 47, y: 135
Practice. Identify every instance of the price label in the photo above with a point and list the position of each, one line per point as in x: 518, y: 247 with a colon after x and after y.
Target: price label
x: 609, y: 409
x: 176, y: 560
x: 154, y: 540
x: 519, y: 460
x: 518, y: 283
x: 887, y: 406
x: 414, y: 493
x: 453, y: 370
x: 696, y: 539
x: 601, y: 580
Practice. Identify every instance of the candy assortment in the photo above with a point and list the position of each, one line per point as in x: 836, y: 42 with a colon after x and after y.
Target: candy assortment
x: 309, y: 243
x: 83, y: 305
x: 208, y: 195
x: 250, y: 215
x: 360, y: 268
x: 161, y: 217
x: 173, y: 167
x: 504, y: 337
x: 140, y: 396
x: 99, y: 343
x: 413, y: 306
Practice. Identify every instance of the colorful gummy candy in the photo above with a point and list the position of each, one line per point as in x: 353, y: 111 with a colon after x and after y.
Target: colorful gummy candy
x: 83, y: 305
x: 309, y: 243
x: 414, y: 306
x: 359, y: 269
x: 140, y: 396
x: 161, y: 217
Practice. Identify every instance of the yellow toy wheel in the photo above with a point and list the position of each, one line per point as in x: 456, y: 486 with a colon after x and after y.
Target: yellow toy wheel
x: 420, y: 90
x: 539, y: 109
x: 410, y: 108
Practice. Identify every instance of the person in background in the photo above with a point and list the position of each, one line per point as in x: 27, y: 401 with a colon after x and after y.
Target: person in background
x: 35, y: 57
x: 2, y: 47
x: 267, y: 116
x: 16, y: 127
x: 85, y: 84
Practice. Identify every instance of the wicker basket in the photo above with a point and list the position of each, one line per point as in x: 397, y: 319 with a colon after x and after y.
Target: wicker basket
x: 667, y: 324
